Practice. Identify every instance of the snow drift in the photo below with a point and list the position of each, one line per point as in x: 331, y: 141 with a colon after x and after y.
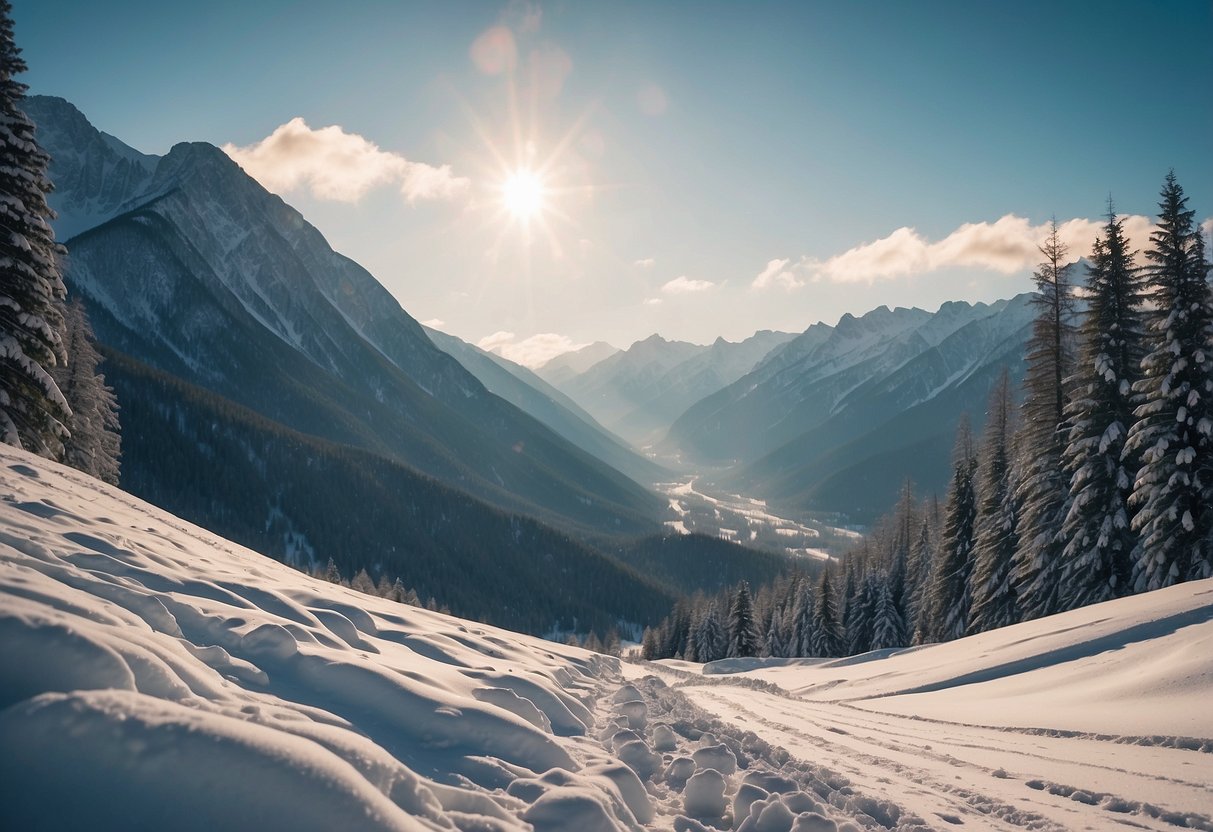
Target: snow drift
x: 153, y: 675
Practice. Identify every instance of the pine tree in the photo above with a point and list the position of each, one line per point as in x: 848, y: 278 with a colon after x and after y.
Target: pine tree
x: 612, y: 645
x: 904, y: 528
x: 888, y: 625
x: 863, y: 619
x: 743, y: 638
x: 949, y: 602
x: 397, y: 593
x: 1173, y: 493
x: 331, y: 573
x: 774, y: 643
x: 33, y: 411
x: 827, y: 638
x: 996, y: 536
x: 712, y: 639
x: 648, y: 645
x: 363, y: 583
x: 802, y: 621
x: 94, y: 445
x: 1097, y: 537
x: 1044, y: 490
x: 922, y: 557
x: 851, y: 601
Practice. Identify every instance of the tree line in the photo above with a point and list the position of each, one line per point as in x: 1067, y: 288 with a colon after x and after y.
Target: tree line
x: 53, y: 401
x: 1096, y: 485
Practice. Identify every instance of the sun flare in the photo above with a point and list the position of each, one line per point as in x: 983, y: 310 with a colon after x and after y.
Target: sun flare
x: 522, y: 194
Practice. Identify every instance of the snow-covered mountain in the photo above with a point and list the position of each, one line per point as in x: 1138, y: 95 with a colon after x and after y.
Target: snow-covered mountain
x: 190, y: 266
x: 525, y: 390
x: 568, y: 364
x: 156, y: 676
x: 638, y: 392
x: 841, y: 415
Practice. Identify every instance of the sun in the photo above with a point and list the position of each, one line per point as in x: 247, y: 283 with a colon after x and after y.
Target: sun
x: 522, y: 194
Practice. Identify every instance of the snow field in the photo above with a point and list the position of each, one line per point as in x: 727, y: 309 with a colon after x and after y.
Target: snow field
x: 1096, y: 718
x: 155, y: 676
x: 713, y: 774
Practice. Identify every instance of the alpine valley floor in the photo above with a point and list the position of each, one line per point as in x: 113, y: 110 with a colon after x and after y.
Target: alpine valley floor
x: 155, y: 676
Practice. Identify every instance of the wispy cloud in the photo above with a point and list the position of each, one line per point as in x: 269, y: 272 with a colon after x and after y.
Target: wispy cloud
x: 684, y: 285
x: 534, y: 351
x: 652, y: 301
x: 1007, y: 245
x: 645, y: 263
x: 777, y: 273
x: 340, y: 166
x: 434, y: 323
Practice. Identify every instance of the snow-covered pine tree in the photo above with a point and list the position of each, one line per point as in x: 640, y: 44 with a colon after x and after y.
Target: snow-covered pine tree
x: 774, y: 644
x: 904, y: 522
x: 712, y: 640
x: 851, y: 591
x: 995, y: 538
x: 94, y: 445
x: 888, y: 625
x: 743, y: 638
x: 802, y: 620
x: 648, y: 645
x: 678, y: 631
x: 33, y: 411
x: 397, y: 593
x: 1043, y: 491
x: 362, y: 582
x: 949, y: 602
x: 1097, y: 537
x: 331, y: 573
x: 691, y: 653
x: 922, y: 557
x: 863, y: 620
x: 827, y: 636
x: 1173, y: 493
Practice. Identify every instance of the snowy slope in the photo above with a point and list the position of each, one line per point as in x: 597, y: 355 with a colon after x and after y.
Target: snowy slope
x: 1091, y: 719
x: 154, y: 676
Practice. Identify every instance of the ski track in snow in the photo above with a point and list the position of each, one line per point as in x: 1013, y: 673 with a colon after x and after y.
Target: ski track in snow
x: 994, y: 778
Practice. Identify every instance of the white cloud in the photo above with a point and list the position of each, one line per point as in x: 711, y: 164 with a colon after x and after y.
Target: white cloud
x: 534, y: 351
x: 337, y: 165
x: 646, y: 263
x: 652, y: 301
x: 684, y: 285
x: 1207, y: 227
x: 1007, y: 245
x: 434, y: 323
x: 777, y: 273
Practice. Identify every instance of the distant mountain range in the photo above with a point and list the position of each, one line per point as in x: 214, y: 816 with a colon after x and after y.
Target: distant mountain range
x: 640, y: 391
x: 841, y: 415
x: 525, y: 390
x: 575, y: 362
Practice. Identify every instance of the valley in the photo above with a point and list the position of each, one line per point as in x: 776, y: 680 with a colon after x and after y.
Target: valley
x: 697, y: 506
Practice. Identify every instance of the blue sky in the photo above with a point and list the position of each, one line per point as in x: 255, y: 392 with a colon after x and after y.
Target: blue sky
x: 710, y: 147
